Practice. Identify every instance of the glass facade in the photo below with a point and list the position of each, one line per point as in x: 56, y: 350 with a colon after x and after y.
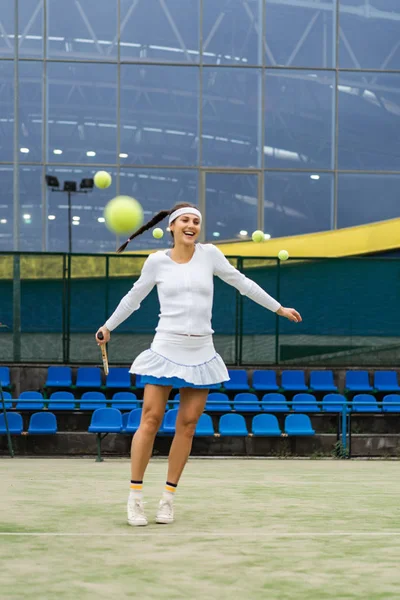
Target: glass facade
x: 279, y: 115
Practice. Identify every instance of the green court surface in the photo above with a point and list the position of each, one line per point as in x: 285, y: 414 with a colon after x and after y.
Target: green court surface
x: 256, y: 529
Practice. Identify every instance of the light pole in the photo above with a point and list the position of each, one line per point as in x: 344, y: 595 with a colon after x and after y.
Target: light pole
x: 69, y: 188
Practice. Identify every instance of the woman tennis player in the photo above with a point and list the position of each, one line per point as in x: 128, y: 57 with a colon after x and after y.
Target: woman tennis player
x: 182, y: 354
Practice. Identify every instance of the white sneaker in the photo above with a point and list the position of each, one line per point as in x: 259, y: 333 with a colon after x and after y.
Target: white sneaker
x: 165, y: 513
x: 136, y: 516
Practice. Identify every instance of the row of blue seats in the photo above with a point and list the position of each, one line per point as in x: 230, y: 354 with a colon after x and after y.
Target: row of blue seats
x: 216, y: 401
x: 263, y: 380
x: 110, y: 420
x: 31, y: 400
x: 107, y: 420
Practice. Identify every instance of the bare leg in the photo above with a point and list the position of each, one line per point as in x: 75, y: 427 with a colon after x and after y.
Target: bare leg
x: 191, y: 407
x: 155, y: 400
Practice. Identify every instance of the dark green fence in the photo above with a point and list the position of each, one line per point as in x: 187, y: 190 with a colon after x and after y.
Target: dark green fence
x: 52, y: 304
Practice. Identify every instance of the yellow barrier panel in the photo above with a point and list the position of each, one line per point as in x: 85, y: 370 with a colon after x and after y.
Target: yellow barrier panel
x: 352, y: 241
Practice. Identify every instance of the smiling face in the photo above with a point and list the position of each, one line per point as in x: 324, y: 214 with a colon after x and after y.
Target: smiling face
x: 186, y: 229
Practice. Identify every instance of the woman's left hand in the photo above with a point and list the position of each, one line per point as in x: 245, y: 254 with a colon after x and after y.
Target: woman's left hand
x: 289, y: 313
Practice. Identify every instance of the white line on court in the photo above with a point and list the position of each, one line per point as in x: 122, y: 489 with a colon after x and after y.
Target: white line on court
x: 204, y: 534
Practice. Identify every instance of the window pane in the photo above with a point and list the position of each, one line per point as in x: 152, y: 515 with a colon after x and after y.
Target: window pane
x: 30, y: 203
x: 367, y: 198
x: 6, y: 208
x: 300, y: 34
x: 231, y: 117
x: 7, y: 31
x: 84, y: 29
x: 299, y: 119
x: 231, y: 206
x: 231, y: 32
x: 163, y: 31
x: 82, y: 101
x: 159, y: 115
x: 369, y: 34
x: 368, y: 121
x: 7, y: 111
x: 157, y: 190
x: 296, y: 203
x: 87, y: 232
x: 30, y: 110
x: 30, y: 28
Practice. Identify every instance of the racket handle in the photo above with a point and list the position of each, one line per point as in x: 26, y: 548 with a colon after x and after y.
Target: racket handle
x: 100, y: 336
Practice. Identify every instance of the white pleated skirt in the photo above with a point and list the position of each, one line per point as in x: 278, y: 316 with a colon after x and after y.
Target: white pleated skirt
x: 192, y: 359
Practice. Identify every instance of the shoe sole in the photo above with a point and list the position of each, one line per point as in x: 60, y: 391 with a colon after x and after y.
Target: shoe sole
x: 164, y: 521
x: 137, y: 524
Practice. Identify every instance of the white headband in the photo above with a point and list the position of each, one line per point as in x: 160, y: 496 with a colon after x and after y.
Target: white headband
x: 186, y: 210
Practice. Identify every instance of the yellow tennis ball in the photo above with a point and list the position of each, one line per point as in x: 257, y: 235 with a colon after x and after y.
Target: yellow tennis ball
x: 158, y: 233
x: 283, y: 254
x: 123, y: 214
x: 102, y: 179
x: 257, y: 236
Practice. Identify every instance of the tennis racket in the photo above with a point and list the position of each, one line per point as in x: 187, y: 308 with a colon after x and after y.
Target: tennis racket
x: 104, y: 356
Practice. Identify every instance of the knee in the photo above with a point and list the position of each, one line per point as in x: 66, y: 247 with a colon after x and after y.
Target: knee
x: 151, y: 423
x: 187, y: 428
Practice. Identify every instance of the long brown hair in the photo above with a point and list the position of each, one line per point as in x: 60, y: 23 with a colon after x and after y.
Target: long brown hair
x: 156, y: 219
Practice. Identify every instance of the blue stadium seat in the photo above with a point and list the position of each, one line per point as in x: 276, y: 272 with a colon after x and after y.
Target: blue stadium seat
x: 15, y: 424
x: 333, y: 403
x: 138, y: 382
x: 386, y: 381
x: 274, y: 402
x: 106, y: 420
x: 170, y: 421
x: 59, y: 377
x: 359, y: 403
x: 7, y: 397
x: 265, y: 381
x: 358, y: 381
x: 125, y: 417
x: 233, y: 425
x: 134, y: 420
x: 204, y: 425
x: 322, y: 381
x: 238, y: 380
x: 217, y: 402
x: 43, y: 423
x: 30, y: 401
x: 293, y: 381
x: 5, y: 377
x: 88, y: 377
x: 174, y: 403
x: 298, y: 425
x: 124, y: 401
x: 246, y: 402
x: 62, y: 401
x: 305, y: 403
x: 118, y: 378
x: 391, y: 403
x: 92, y: 400
x: 265, y: 425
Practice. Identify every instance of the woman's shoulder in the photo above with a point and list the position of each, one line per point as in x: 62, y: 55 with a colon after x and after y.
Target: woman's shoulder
x: 157, y: 256
x: 209, y: 250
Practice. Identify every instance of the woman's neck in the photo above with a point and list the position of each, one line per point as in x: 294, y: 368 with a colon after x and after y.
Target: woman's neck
x: 182, y: 254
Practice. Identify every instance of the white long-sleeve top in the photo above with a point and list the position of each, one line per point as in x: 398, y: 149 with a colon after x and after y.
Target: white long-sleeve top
x: 185, y: 291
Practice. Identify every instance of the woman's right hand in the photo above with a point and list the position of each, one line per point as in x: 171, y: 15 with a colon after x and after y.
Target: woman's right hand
x: 106, y: 336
